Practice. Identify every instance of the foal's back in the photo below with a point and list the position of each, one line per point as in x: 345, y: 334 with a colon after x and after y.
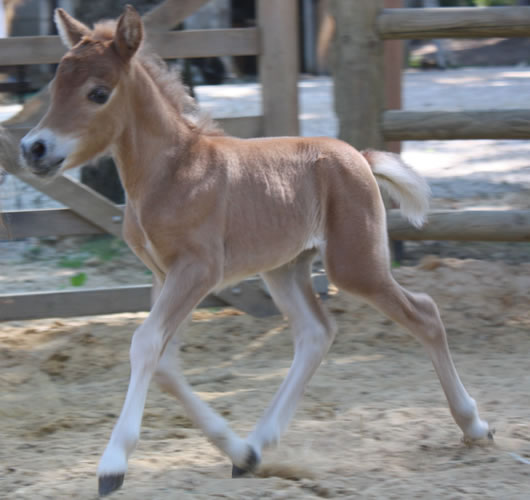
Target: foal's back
x: 280, y: 193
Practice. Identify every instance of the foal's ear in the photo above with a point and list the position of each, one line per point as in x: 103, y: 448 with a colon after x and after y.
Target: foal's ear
x: 70, y: 30
x: 129, y: 33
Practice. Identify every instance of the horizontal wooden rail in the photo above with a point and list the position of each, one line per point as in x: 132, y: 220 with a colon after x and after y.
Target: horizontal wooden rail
x: 237, y: 126
x: 21, y: 306
x: 458, y: 22
x: 20, y: 224
x: 168, y: 45
x: 466, y: 225
x: 442, y: 125
x: 249, y: 296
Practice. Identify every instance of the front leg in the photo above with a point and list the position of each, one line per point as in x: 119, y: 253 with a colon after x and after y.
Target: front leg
x: 186, y: 284
x: 170, y: 378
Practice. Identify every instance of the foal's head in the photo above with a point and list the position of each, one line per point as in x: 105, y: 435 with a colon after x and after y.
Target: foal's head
x: 88, y: 96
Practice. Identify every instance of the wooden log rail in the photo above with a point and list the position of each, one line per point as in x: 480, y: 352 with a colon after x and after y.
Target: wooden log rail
x: 467, y: 225
x: 445, y: 125
x: 457, y: 22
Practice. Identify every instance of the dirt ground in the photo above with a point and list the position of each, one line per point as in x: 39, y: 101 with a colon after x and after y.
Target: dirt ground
x: 373, y: 424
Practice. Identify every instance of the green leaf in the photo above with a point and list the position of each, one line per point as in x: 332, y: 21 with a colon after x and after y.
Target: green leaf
x: 79, y: 279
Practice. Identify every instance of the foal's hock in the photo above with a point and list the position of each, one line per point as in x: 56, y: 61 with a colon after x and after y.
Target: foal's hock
x: 204, y: 210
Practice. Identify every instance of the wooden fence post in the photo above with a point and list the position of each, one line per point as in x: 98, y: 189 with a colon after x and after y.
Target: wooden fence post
x: 279, y: 65
x: 393, y: 67
x: 358, y: 72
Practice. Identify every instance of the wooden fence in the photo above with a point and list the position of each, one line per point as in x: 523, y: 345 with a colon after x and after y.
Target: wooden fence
x: 459, y: 22
x: 471, y: 225
x: 275, y: 42
x: 366, y: 122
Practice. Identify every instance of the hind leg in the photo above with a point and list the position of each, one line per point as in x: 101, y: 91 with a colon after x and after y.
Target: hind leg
x: 313, y: 333
x: 366, y: 273
x: 419, y: 314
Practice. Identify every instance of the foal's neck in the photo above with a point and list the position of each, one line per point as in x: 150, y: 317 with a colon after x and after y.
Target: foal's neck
x: 153, y: 132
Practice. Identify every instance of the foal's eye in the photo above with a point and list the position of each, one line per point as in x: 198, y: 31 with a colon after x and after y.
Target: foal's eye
x: 99, y: 95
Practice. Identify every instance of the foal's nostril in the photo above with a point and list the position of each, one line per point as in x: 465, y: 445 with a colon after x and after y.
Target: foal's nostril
x: 38, y: 150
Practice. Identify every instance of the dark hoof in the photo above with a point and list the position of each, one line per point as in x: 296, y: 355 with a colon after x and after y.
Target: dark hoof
x: 108, y: 484
x: 238, y: 472
x: 250, y: 464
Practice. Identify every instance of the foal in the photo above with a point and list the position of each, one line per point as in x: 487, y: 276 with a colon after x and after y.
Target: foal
x: 204, y: 210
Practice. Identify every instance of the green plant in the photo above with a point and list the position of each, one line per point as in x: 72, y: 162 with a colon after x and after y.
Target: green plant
x: 79, y: 279
x: 491, y: 3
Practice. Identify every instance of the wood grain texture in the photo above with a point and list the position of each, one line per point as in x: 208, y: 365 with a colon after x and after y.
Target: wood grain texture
x: 393, y: 53
x: 358, y: 72
x: 442, y: 125
x: 168, y: 45
x: 467, y: 225
x: 64, y: 304
x: 457, y: 22
x: 20, y: 224
x: 279, y: 65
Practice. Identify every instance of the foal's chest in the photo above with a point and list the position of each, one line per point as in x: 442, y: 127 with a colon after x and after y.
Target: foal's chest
x: 140, y: 242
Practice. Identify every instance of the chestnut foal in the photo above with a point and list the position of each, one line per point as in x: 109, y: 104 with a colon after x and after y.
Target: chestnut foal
x: 204, y: 210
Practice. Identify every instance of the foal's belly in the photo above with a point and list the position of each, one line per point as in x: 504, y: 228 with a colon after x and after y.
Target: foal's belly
x: 247, y: 258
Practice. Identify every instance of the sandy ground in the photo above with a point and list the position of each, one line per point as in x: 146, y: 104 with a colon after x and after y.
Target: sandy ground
x: 373, y: 424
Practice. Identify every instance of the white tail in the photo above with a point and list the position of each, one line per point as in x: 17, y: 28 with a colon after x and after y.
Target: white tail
x: 403, y: 184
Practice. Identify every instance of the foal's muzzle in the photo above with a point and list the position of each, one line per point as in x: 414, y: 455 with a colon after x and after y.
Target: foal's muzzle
x: 38, y: 154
